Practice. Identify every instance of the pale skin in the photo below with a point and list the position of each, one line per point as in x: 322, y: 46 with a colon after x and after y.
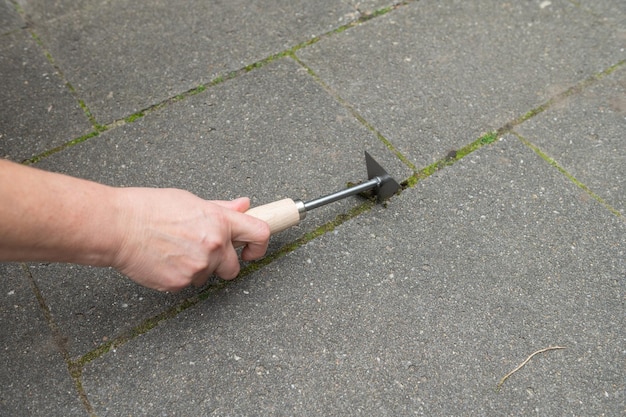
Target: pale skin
x: 165, y: 239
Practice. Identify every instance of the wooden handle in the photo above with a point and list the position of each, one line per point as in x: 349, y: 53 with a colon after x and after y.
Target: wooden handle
x: 280, y: 215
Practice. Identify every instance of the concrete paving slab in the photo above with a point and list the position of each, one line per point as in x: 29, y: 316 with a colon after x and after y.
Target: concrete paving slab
x: 91, y: 306
x: 38, y: 111
x: 122, y: 58
x: 585, y: 135
x: 366, y: 7
x: 9, y: 19
x: 35, y: 380
x: 613, y: 12
x: 419, y: 308
x: 271, y: 134
x: 434, y: 76
x: 41, y: 11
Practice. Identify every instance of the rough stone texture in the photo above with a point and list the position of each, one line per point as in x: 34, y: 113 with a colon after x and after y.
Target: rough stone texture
x: 35, y: 380
x: 433, y: 76
x: 38, y: 112
x: 613, y: 12
x: 9, y: 19
x: 173, y: 46
x: 367, y: 7
x: 592, y: 152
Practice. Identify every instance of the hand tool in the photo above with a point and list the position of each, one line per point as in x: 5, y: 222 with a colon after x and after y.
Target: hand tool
x: 282, y: 214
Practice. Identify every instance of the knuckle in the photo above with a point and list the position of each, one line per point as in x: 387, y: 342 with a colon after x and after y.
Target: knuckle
x: 264, y: 230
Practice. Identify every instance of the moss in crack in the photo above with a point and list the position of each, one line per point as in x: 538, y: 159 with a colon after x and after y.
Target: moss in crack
x: 486, y: 139
x: 61, y: 342
x: 89, y: 115
x: 18, y: 9
x: 68, y: 85
x: 569, y: 176
x: 134, y: 117
x: 59, y: 148
x: 142, y: 328
x: 195, y: 91
x: 269, y: 59
x: 409, y: 182
x: 563, y: 95
x: 451, y: 157
x: 364, y: 17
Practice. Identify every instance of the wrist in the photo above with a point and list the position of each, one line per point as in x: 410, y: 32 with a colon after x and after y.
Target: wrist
x: 119, y: 227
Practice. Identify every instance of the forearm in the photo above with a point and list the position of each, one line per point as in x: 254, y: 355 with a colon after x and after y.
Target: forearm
x: 47, y: 216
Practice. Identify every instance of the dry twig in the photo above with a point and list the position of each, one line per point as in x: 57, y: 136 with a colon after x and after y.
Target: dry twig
x: 524, y: 363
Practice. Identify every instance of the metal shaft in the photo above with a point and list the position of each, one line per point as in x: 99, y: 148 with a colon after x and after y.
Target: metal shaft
x: 331, y: 198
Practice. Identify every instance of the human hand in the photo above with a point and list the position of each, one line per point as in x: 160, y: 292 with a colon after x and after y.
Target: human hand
x: 171, y: 238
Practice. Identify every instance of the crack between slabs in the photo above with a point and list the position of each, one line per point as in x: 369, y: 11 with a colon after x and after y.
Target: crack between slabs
x: 41, y: 44
x: 552, y: 162
x: 60, y: 341
x: 81, y: 103
x: 352, y: 110
x: 99, y: 128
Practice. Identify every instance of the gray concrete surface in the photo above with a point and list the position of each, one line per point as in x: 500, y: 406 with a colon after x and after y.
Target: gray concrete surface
x: 495, y: 249
x: 38, y: 111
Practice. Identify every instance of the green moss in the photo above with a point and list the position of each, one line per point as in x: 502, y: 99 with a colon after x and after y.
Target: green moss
x: 486, y: 139
x: 197, y: 90
x: 47, y: 153
x: 409, y: 182
x: 563, y: 171
x: 18, y: 9
x: 133, y: 117
x: 489, y: 138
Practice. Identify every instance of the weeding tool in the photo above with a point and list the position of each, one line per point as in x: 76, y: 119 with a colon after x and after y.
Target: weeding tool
x: 283, y: 214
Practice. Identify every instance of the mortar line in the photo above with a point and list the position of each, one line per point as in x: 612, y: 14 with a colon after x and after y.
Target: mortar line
x: 219, y: 79
x: 81, y: 103
x: 59, y: 340
x: 552, y: 162
x: 352, y: 110
x: 575, y: 89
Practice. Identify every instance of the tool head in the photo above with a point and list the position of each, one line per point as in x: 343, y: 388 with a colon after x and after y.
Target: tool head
x: 387, y: 186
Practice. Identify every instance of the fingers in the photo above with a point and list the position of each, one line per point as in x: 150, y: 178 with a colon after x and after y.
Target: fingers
x: 252, y: 232
x: 246, y: 230
x: 225, y: 266
x: 228, y: 268
x: 236, y: 227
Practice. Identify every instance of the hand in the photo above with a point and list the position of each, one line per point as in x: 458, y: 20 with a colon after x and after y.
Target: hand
x: 171, y: 238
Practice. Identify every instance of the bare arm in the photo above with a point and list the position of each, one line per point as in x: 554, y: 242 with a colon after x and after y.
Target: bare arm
x: 161, y: 238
